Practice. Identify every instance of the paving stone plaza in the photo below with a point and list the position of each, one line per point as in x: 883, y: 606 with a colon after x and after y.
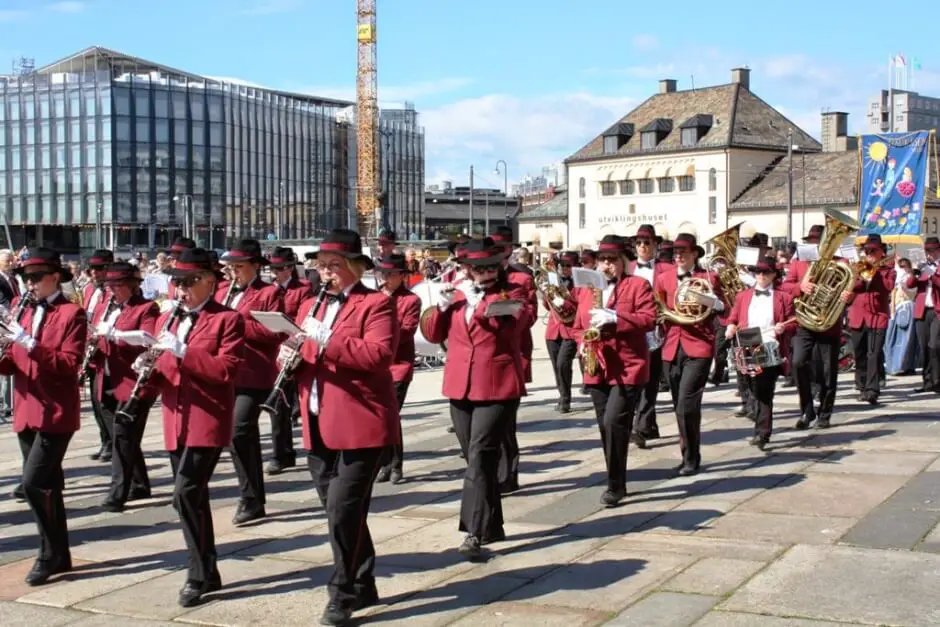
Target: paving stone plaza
x: 826, y: 528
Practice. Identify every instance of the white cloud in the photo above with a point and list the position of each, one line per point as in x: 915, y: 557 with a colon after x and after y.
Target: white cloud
x: 67, y: 6
x: 270, y: 7
x: 645, y: 41
x: 13, y: 15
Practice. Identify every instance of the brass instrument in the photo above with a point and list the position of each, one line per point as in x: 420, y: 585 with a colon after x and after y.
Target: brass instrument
x: 823, y: 308
x: 867, y: 269
x: 686, y: 308
x: 591, y: 338
x: 724, y: 263
x: 7, y: 316
x: 550, y: 292
x: 277, y: 400
x: 93, y: 346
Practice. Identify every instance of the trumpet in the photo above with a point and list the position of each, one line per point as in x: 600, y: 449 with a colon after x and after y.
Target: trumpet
x: 277, y: 400
x: 92, y: 347
x: 127, y: 412
x: 28, y: 299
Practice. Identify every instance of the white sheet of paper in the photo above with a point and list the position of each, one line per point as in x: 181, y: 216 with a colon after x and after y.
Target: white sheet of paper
x: 848, y: 252
x: 928, y: 272
x: 747, y: 256
x: 135, y: 338
x: 588, y: 278
x: 276, y: 322
x: 917, y: 256
x: 807, y: 252
x: 553, y: 279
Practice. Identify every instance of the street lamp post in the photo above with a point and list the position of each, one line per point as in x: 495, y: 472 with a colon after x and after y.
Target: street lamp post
x: 99, y: 226
x: 505, y: 189
x: 280, y: 210
x: 188, y: 227
x: 388, y: 221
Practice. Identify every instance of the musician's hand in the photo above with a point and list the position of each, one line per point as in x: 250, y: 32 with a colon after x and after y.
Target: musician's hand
x: 446, y: 297
x: 780, y: 328
x: 730, y: 331
x: 316, y: 331
x: 170, y: 343
x: 143, y: 362
x: 846, y: 296
x: 603, y: 317
x: 18, y: 335
x: 807, y: 288
x: 105, y: 330
x: 284, y: 353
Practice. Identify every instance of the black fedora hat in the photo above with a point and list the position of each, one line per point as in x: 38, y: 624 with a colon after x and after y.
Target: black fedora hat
x: 122, y: 271
x: 179, y: 245
x: 759, y: 240
x: 246, y: 251
x: 43, y: 260
x: 388, y: 237
x: 282, y: 257
x: 873, y: 241
x: 344, y: 242
x: 459, y: 241
x: 588, y: 254
x: 764, y: 264
x: 814, y: 234
x: 569, y: 258
x: 502, y: 236
x: 192, y: 261
x: 686, y: 241
x: 482, y: 252
x: 648, y: 231
x: 931, y: 244
x: 612, y: 245
x: 100, y: 258
x: 391, y: 263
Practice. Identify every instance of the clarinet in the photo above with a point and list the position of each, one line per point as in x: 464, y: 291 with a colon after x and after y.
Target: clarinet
x: 26, y: 300
x: 92, y: 348
x: 229, y: 293
x: 277, y: 399
x: 127, y: 412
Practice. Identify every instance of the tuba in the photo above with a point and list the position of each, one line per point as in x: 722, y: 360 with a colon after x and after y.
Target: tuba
x: 724, y: 263
x: 550, y: 292
x: 820, y: 310
x: 686, y: 310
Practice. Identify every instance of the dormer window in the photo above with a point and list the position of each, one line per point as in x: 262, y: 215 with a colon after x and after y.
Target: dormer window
x: 616, y: 136
x: 694, y: 129
x: 655, y: 132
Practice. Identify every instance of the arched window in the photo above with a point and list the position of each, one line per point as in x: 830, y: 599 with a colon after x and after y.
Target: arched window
x: 712, y: 180
x: 582, y: 188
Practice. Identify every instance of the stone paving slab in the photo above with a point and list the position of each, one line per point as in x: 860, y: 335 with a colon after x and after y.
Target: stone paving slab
x: 665, y: 609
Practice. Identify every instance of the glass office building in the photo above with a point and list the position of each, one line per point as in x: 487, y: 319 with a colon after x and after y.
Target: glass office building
x: 105, y: 142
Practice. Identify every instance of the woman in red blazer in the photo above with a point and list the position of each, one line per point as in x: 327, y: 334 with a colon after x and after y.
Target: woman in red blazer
x: 42, y: 351
x: 770, y: 310
x: 194, y: 365
x: 484, y: 380
x: 349, y: 408
x: 559, y: 337
x: 392, y: 271
x: 627, y: 313
x: 116, y: 378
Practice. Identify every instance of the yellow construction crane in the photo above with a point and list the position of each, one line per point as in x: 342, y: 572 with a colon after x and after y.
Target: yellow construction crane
x: 367, y: 123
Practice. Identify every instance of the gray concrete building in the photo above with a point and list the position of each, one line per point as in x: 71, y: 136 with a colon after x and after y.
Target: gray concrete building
x: 912, y: 112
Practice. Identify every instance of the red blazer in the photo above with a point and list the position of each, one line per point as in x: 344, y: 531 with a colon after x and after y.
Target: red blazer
x: 524, y: 280
x: 294, y: 295
x: 484, y: 359
x: 871, y: 304
x: 783, y: 311
x: 920, y: 299
x: 353, y: 374
x: 698, y: 340
x: 408, y: 310
x: 261, y: 346
x: 791, y: 285
x: 623, y: 357
x: 140, y: 314
x: 45, y: 380
x: 555, y: 329
x: 199, y: 390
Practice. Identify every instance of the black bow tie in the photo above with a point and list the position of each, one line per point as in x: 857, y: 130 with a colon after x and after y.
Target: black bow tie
x: 237, y: 290
x: 762, y: 292
x: 683, y: 275
x: 613, y: 281
x: 336, y: 298
x: 192, y: 315
x: 648, y: 265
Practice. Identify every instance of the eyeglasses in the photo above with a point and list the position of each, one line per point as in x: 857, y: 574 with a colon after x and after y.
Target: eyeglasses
x: 333, y: 266
x: 608, y: 259
x: 484, y: 269
x: 185, y: 281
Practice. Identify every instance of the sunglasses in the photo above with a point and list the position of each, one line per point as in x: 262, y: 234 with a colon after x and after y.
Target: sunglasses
x: 185, y: 281
x: 484, y: 269
x: 608, y: 259
x: 36, y: 276
x: 644, y: 242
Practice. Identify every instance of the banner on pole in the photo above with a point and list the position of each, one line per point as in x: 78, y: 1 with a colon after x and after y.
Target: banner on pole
x: 893, y: 179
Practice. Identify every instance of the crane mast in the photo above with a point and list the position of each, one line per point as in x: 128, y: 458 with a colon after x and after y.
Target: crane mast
x: 367, y: 122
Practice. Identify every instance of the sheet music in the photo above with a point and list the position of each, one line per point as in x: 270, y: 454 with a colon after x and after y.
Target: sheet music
x: 807, y: 252
x: 276, y: 322
x: 747, y: 256
x: 584, y: 277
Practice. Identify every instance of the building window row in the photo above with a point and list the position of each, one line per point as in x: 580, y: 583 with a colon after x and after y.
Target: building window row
x: 665, y: 184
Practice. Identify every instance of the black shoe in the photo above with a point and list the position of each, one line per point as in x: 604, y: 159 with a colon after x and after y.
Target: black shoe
x: 920, y: 390
x: 397, y: 477
x: 275, y: 467
x: 471, y: 548
x: 139, y: 494
x: 789, y: 383
x: 823, y: 423
x: 498, y: 536
x: 742, y: 411
x: 366, y: 599
x: 759, y: 441
x: 450, y: 429
x: 106, y: 455
x: 42, y: 570
x: 19, y: 493
x: 611, y: 498
x: 564, y: 407
x: 509, y: 487
x: 112, y: 504
x: 101, y: 451
x: 803, y: 423
x: 336, y: 615
x: 688, y: 469
x: 191, y: 593
x: 384, y: 475
x: 247, y: 513
x: 638, y: 440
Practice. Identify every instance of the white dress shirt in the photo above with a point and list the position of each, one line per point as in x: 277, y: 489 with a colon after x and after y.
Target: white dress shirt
x: 760, y: 314
x: 93, y: 301
x: 646, y: 273
x: 928, y: 298
x: 40, y: 313
x: 329, y: 318
x: 182, y: 331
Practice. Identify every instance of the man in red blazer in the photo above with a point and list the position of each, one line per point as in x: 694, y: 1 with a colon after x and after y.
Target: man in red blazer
x: 771, y: 311
x: 926, y: 281
x: 194, y: 365
x: 176, y: 249
x: 350, y: 413
x: 627, y: 313
x: 42, y: 350
x: 391, y: 272
x: 294, y: 292
x: 132, y: 314
x: 815, y: 354
x: 689, y: 348
x: 95, y: 298
x: 648, y: 267
x: 868, y: 315
x: 247, y: 293
x: 559, y: 337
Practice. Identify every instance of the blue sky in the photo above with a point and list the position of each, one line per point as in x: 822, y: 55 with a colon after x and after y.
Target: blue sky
x: 526, y: 81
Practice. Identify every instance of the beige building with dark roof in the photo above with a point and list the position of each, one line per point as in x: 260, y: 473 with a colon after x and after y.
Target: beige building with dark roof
x: 678, y: 161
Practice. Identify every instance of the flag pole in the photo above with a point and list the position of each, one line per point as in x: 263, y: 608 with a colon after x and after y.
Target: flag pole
x: 891, y: 77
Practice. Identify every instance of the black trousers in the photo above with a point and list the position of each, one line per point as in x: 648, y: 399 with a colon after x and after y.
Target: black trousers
x: 509, y: 447
x: 246, y: 445
x: 614, y: 408
x: 481, y: 431
x: 869, y: 359
x: 192, y: 471
x: 747, y: 397
x: 43, y: 483
x: 816, y: 361
x: 762, y: 389
x: 646, y: 425
x: 104, y: 425
x: 343, y: 481
x: 282, y: 428
x: 562, y: 352
x: 928, y: 339
x: 934, y: 342
x: 395, y: 455
x: 722, y: 346
x: 687, y: 379
x: 128, y: 466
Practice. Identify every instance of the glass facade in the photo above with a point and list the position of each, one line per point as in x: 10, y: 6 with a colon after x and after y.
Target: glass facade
x: 109, y: 137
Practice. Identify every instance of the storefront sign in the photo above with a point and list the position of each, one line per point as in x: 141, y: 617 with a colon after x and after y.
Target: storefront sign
x: 631, y: 220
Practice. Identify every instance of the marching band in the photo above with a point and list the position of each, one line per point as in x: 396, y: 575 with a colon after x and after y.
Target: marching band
x: 633, y: 312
